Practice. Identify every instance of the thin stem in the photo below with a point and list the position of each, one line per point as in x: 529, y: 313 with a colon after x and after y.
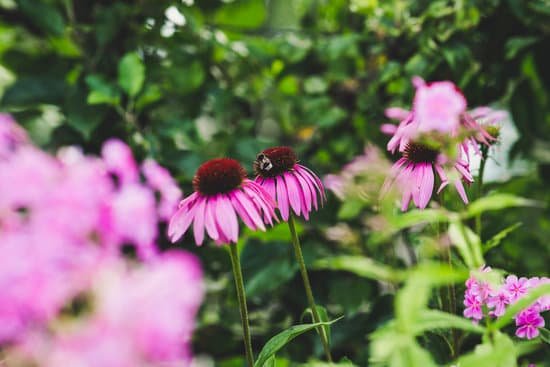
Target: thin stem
x: 307, y: 285
x: 241, y: 296
x: 484, y: 152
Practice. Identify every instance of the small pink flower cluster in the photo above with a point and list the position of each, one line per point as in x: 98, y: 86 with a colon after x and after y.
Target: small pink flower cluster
x: 481, y: 298
x: 64, y: 222
x: 436, y: 135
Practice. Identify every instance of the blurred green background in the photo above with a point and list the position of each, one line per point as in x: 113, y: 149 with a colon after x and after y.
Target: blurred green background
x: 189, y: 80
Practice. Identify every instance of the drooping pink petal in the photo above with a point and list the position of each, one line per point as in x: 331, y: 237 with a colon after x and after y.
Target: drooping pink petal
x: 282, y: 198
x: 198, y: 223
x: 227, y: 218
x: 313, y: 187
x: 241, y: 212
x: 427, y: 186
x: 461, y: 191
x: 269, y: 185
x: 261, y: 199
x: 252, y: 212
x: 180, y: 222
x: 305, y: 192
x: 317, y: 181
x: 209, y: 222
x: 292, y: 187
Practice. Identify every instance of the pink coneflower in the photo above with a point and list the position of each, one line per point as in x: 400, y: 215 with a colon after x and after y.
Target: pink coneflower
x: 222, y: 193
x: 414, y: 175
x: 292, y: 185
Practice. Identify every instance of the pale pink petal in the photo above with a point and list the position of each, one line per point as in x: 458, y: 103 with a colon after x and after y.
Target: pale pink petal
x: 282, y: 198
x: 209, y: 221
x: 292, y: 188
x: 227, y: 219
x: 427, y: 187
x: 180, y: 222
x: 461, y: 191
x: 198, y: 224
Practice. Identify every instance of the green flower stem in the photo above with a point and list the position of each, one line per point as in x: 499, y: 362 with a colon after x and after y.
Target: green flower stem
x: 239, y: 285
x: 484, y: 153
x: 307, y: 285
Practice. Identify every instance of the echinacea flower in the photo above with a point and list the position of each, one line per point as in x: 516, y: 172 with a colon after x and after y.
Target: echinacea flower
x: 293, y: 186
x: 222, y: 194
x: 414, y: 175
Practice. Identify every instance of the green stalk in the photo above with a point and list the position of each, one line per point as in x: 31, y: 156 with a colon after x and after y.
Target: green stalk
x: 484, y: 153
x: 241, y: 296
x: 307, y: 285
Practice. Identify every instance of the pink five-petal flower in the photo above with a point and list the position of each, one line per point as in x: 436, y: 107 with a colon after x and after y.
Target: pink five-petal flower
x: 294, y: 186
x: 516, y: 287
x: 498, y: 301
x: 222, y: 195
x: 473, y: 308
x: 528, y: 323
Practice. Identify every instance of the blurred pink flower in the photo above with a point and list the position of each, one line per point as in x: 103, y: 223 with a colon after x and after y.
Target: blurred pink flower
x: 438, y: 107
x: 11, y: 135
x: 293, y: 186
x: 473, y: 308
x: 222, y: 194
x: 119, y: 161
x: 160, y: 179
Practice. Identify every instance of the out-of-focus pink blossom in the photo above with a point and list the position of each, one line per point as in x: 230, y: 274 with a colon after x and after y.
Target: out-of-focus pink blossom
x: 473, y: 308
x: 11, y: 135
x: 119, y: 161
x: 516, y: 287
x: 160, y: 179
x: 438, y: 107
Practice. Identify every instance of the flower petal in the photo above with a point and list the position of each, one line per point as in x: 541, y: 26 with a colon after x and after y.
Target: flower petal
x: 282, y: 198
x: 292, y: 188
x: 198, y: 224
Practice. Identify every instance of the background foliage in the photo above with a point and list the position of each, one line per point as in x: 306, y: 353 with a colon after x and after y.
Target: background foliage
x: 185, y: 81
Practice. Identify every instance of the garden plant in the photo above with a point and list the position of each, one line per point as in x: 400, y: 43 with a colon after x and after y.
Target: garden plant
x: 274, y: 183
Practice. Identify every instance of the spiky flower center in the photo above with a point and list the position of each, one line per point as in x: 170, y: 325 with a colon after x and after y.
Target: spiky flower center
x: 275, y: 161
x: 218, y: 176
x: 420, y: 153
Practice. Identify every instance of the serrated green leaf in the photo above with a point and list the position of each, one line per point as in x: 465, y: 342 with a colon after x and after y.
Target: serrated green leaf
x: 283, y: 338
x: 131, y: 74
x: 497, y: 238
x: 362, y: 266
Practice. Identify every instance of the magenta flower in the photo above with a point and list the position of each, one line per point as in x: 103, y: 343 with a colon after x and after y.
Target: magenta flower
x: 222, y: 194
x: 160, y: 179
x: 414, y: 175
x: 498, y: 302
x: 473, y: 308
x: 528, y: 322
x: 294, y: 186
x: 516, y: 287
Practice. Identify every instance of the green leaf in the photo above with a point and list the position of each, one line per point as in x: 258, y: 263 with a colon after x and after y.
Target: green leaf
x: 435, y: 319
x: 497, y: 202
x: 244, y: 14
x: 362, y: 266
x: 101, y: 91
x: 515, y: 44
x: 34, y: 90
x: 416, y: 217
x: 43, y: 15
x: 467, y: 243
x: 283, y: 338
x: 350, y: 209
x: 131, y: 74
x: 520, y: 304
x: 151, y: 94
x: 497, y: 238
x: 545, y: 335
x: 500, y: 352
x: 323, y: 316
